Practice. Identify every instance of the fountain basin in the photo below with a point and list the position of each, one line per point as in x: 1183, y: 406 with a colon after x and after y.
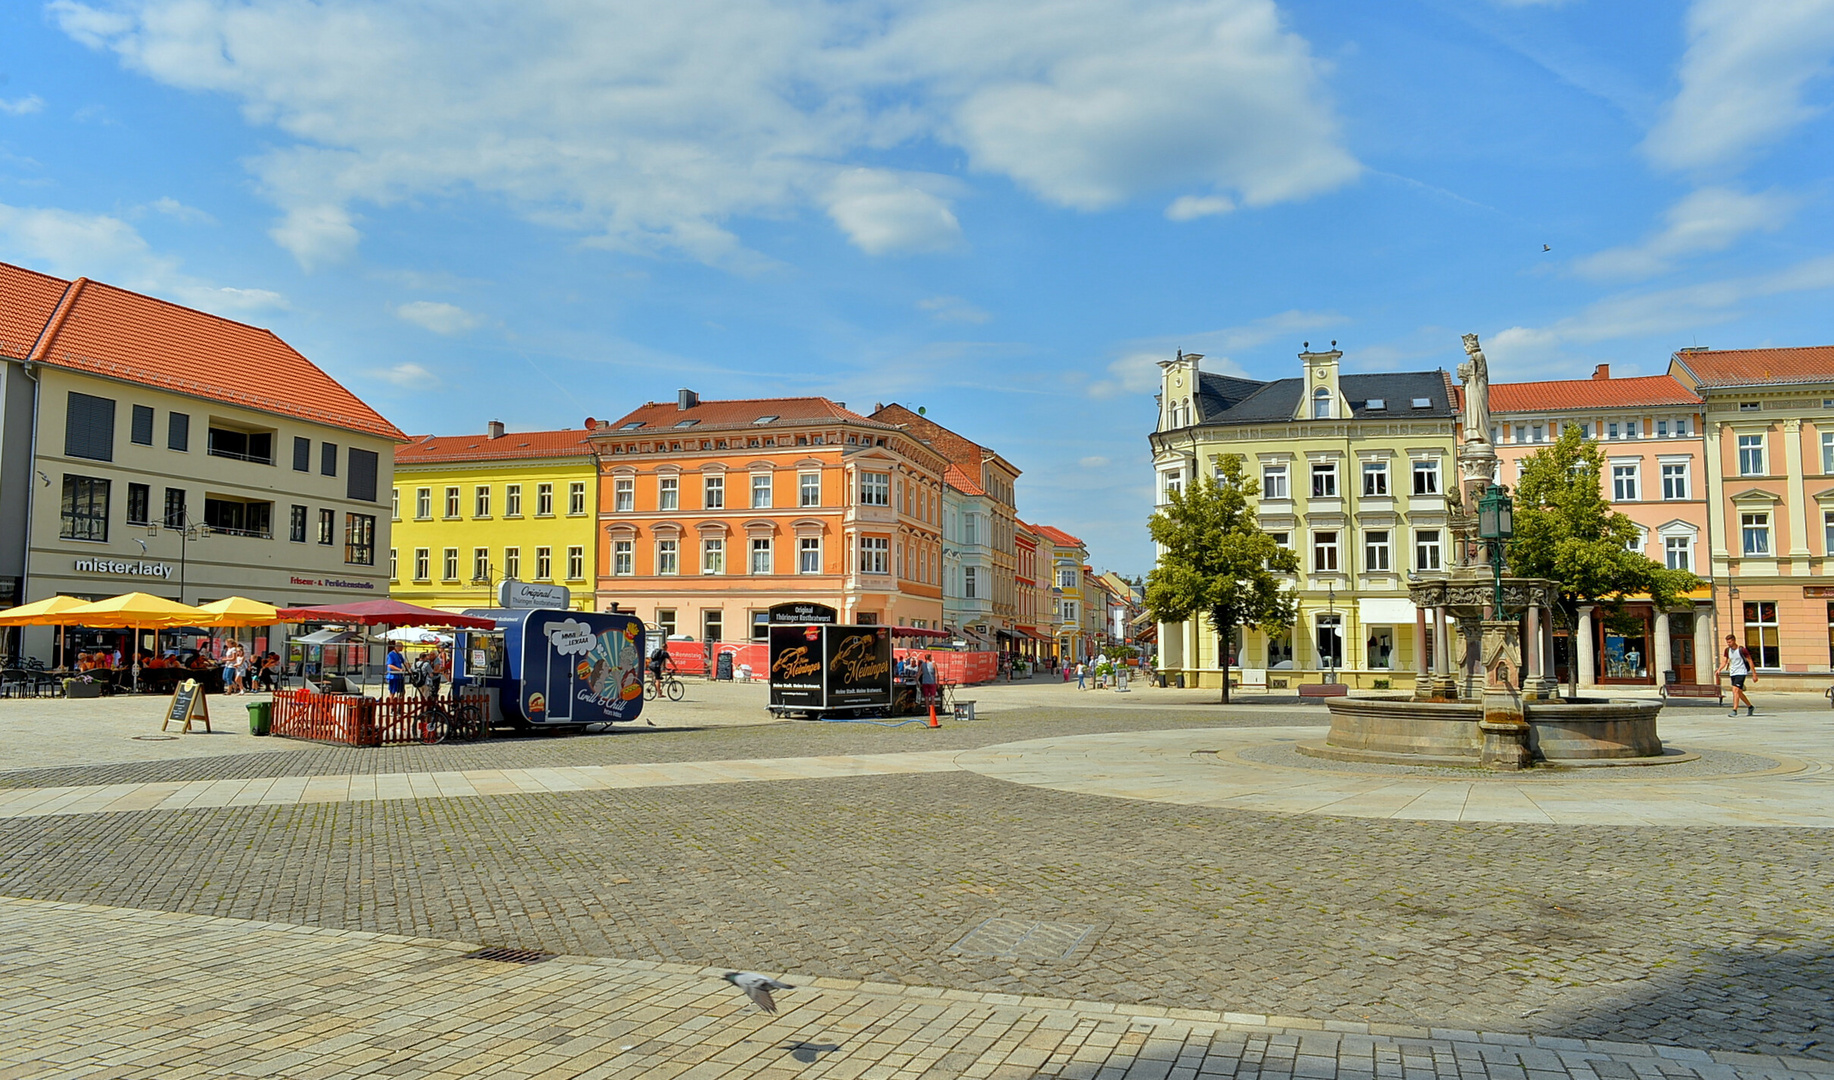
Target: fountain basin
x: 1403, y: 731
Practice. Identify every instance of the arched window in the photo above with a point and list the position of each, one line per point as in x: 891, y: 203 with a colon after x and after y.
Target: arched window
x: 1321, y: 404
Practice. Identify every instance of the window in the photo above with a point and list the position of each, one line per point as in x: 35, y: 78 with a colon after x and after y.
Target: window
x: 1631, y: 428
x: 712, y: 555
x: 450, y: 565
x: 393, y: 567
x: 1426, y: 477
x: 544, y: 564
x: 668, y: 493
x: 327, y: 525
x: 178, y: 431
x: 360, y: 539
x: 302, y: 454
x: 139, y: 504
x: 576, y: 498
x: 1324, y: 551
x: 1754, y: 530
x: 873, y: 553
x: 394, y: 505
x: 875, y: 489
x: 89, y: 427
x: 239, y: 445
x: 1751, y: 455
x: 1066, y: 578
x: 808, y: 555
x: 480, y: 565
x: 1827, y: 452
x: 667, y: 557
x: 1624, y: 483
x: 761, y: 491
x: 512, y: 562
x: 715, y: 492
x: 1681, y: 428
x: 142, y: 431
x: 512, y: 500
x: 238, y: 517
x: 1375, y: 551
x: 1613, y: 429
x: 761, y: 556
x: 421, y: 564
x: 1324, y: 480
x: 85, y: 507
x: 361, y: 484
x: 1750, y: 406
x: 808, y: 486
x: 175, y: 508
x: 1426, y: 549
x: 1375, y: 478
x: 1678, y: 552
x: 576, y: 563
x: 1537, y: 433
x: 1173, y: 483
x: 480, y: 506
x: 452, y: 502
x: 624, y: 494
x: 1273, y: 482
x: 296, y: 524
x: 712, y: 624
x: 1662, y: 429
x: 1281, y: 539
x: 623, y: 557
x: 544, y: 500
x: 1321, y: 403
x: 1675, y: 481
x: 1761, y: 633
x: 328, y: 459
x: 1375, y: 403
x: 968, y: 581
x: 1827, y: 528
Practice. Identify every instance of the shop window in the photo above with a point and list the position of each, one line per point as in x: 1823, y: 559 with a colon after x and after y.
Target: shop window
x: 1375, y: 551
x: 360, y: 539
x: 544, y: 564
x: 239, y: 517
x: 544, y: 500
x: 1380, y: 648
x: 89, y: 427
x: 1375, y: 478
x: 668, y: 557
x: 142, y: 431
x: 1330, y: 634
x: 1831, y: 633
x: 512, y: 500
x: 1280, y: 649
x: 139, y: 504
x: 302, y: 454
x: 576, y: 563
x: 1324, y: 480
x: 178, y: 431
x: 512, y: 562
x: 808, y: 555
x: 1273, y: 482
x: 85, y: 508
x: 360, y: 486
x: 1761, y: 633
x: 449, y: 565
x: 238, y: 444
x: 1625, y: 646
x: 623, y: 557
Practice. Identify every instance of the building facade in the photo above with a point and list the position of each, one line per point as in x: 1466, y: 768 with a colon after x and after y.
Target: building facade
x: 1065, y: 556
x: 1353, y: 471
x: 472, y: 510
x: 968, y: 566
x: 1769, y: 427
x: 710, y: 512
x: 156, y: 448
x: 1029, y: 593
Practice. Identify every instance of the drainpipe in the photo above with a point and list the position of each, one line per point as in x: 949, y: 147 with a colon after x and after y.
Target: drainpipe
x: 29, y: 370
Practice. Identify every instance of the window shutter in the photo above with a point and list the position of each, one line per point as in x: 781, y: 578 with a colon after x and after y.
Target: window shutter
x: 361, y: 484
x: 302, y: 454
x: 143, y: 425
x: 178, y: 431
x: 328, y: 459
x: 89, y: 427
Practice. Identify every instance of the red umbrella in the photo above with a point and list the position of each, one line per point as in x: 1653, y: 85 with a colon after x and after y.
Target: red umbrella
x: 382, y: 613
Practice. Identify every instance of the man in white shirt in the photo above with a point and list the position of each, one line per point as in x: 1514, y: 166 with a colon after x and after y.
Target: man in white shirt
x: 1736, y: 665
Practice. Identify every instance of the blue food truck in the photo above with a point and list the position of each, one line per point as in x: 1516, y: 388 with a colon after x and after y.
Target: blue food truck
x: 550, y: 668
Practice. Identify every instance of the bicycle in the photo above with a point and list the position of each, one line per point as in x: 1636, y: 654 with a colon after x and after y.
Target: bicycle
x: 671, y: 685
x: 440, y: 721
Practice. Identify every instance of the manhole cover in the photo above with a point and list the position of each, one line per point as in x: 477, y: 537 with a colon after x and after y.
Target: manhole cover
x: 510, y: 956
x: 1018, y: 939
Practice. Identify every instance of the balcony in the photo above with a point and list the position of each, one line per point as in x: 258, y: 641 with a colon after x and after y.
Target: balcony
x: 252, y: 446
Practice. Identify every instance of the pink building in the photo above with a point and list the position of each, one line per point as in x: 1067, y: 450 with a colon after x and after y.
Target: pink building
x: 1651, y: 430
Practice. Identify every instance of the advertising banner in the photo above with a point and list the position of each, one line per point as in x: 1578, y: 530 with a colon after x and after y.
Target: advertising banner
x: 858, y: 660
x: 796, y: 666
x: 803, y: 613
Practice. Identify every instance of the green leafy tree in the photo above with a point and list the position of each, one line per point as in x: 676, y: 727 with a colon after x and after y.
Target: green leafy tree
x: 1567, y: 531
x: 1216, y: 562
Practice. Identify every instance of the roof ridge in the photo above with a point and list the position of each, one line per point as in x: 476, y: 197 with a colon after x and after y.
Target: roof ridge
x: 198, y: 311
x: 65, y: 304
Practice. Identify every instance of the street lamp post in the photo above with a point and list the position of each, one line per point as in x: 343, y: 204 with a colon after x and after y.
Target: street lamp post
x: 1496, y: 524
x: 187, y: 531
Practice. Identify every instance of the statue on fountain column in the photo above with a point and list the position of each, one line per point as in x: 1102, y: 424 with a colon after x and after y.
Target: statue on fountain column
x: 1477, y: 459
x: 1475, y: 374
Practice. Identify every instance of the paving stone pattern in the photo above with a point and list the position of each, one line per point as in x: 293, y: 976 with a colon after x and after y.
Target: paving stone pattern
x: 1695, y: 937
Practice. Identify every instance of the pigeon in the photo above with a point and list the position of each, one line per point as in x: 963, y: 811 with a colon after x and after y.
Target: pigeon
x: 757, y: 987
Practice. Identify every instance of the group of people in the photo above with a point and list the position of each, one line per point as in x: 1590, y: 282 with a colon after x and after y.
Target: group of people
x: 426, y: 673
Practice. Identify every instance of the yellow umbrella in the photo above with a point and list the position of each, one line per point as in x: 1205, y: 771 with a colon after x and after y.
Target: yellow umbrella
x: 137, y: 610
x: 51, y: 611
x: 237, y: 611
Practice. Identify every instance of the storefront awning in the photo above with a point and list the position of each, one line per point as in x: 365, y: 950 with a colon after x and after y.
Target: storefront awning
x: 1385, y: 611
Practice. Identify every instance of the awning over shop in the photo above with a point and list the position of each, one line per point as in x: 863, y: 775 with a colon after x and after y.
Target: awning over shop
x: 1385, y: 611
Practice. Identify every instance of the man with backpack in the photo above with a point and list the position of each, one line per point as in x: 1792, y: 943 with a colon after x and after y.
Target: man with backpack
x: 1737, y: 666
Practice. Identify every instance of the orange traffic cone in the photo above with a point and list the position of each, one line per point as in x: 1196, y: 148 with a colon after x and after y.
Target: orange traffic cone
x: 933, y: 722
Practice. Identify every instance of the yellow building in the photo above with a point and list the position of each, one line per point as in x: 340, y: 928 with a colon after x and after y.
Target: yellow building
x: 1354, y: 471
x: 473, y: 510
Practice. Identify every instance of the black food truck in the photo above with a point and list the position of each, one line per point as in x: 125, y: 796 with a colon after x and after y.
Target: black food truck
x: 820, y: 668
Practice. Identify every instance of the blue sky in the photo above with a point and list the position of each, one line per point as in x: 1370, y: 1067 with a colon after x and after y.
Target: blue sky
x: 542, y: 210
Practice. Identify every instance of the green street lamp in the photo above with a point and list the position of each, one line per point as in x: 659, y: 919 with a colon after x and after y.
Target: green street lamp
x: 1496, y: 524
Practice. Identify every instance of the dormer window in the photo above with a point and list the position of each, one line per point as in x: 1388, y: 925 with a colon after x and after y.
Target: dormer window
x: 765, y: 419
x: 632, y: 426
x: 1321, y: 404
x: 687, y: 423
x: 1376, y: 403
x: 1423, y: 403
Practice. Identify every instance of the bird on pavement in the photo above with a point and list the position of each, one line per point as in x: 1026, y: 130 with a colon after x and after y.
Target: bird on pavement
x: 757, y: 987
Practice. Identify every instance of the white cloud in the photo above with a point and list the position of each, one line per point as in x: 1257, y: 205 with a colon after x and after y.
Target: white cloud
x: 952, y: 309
x: 190, y: 215
x: 653, y: 128
x: 31, y: 103
x: 108, y: 249
x: 1191, y: 207
x: 409, y: 375
x: 1743, y: 79
x: 1092, y: 462
x: 1711, y: 219
x: 447, y: 319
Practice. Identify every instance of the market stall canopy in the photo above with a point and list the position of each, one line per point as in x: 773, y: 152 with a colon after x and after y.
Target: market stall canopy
x: 135, y: 609
x: 239, y: 611
x: 382, y: 613
x: 50, y: 611
x: 327, y: 637
x: 414, y: 635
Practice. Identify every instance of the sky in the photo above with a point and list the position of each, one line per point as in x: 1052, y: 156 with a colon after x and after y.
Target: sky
x: 537, y: 211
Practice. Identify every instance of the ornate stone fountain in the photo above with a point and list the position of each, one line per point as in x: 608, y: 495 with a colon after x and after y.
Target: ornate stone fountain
x: 1484, y: 691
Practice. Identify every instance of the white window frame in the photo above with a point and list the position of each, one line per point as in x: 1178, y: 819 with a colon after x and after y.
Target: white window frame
x: 1275, y: 477
x: 623, y: 494
x: 1751, y: 455
x: 808, y: 555
x: 481, y: 501
x: 544, y: 564
x: 1324, y: 480
x: 760, y: 491
x: 623, y: 558
x: 576, y: 498
x: 761, y: 546
x: 1429, y: 549
x: 1626, y: 481
x: 1326, y: 551
x: 875, y: 555
x: 1754, y: 534
x: 1376, y: 551
x: 875, y: 488
x: 1426, y: 474
x: 512, y: 500
x: 1676, y: 483
x: 668, y: 493
x: 1375, y: 480
x: 1827, y: 453
x: 713, y: 555
x: 808, y: 487
x: 713, y: 491
x: 1682, y: 545
x: 544, y: 500
x: 668, y: 557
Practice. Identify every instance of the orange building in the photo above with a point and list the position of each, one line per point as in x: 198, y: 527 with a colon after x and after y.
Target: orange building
x: 710, y: 512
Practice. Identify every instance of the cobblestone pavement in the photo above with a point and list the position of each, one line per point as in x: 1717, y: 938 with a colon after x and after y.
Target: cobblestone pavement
x: 1699, y: 937
x: 177, y: 996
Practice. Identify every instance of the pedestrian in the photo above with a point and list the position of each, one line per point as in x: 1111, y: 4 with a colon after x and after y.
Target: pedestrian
x: 926, y: 680
x: 235, y: 667
x: 425, y: 676
x: 1081, y: 673
x: 397, y: 671
x: 1737, y: 667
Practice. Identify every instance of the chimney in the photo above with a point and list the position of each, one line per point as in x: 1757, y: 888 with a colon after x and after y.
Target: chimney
x: 1602, y: 371
x: 494, y: 429
x: 686, y: 399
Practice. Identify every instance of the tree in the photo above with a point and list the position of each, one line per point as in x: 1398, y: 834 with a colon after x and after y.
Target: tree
x: 1215, y: 561
x: 1566, y: 531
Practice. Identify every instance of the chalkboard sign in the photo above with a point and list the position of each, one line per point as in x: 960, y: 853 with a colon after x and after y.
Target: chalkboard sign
x: 188, y: 704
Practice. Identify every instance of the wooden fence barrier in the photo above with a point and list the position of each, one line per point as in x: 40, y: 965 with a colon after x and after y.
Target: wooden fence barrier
x: 355, y: 720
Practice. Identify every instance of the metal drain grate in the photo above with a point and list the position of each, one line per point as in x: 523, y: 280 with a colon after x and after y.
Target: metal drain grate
x: 1018, y: 939
x: 510, y: 956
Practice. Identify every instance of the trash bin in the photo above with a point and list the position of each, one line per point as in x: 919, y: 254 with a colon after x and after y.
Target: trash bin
x: 260, y: 717
x: 1181, y: 680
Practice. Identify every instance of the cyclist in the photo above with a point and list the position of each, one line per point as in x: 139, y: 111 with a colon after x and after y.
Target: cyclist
x: 659, y: 664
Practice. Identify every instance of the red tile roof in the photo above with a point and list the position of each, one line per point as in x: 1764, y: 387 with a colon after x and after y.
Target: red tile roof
x: 660, y: 417
x: 1057, y: 536
x: 1567, y: 394
x: 27, y: 299
x: 959, y: 449
x: 957, y: 477
x: 102, y: 330
x: 1758, y: 367
x: 511, y: 445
